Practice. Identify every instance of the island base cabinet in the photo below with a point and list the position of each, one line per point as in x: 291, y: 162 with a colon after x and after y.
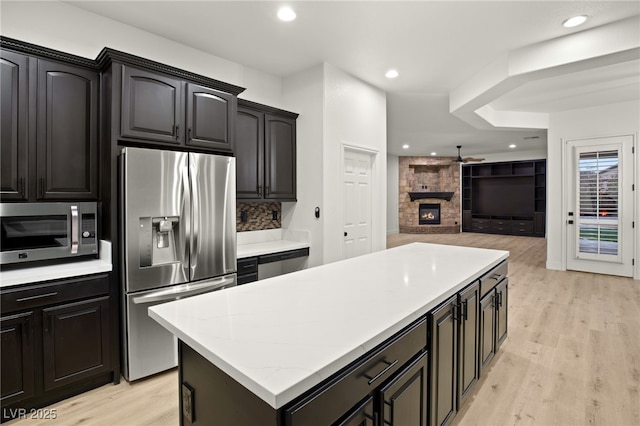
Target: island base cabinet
x: 493, y: 322
x: 443, y: 329
x: 403, y: 401
x: 468, y: 339
x: 362, y: 415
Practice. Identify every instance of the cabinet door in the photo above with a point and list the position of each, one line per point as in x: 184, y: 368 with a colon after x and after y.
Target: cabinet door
x: 468, y: 342
x: 152, y: 107
x: 443, y: 363
x: 75, y: 341
x: 210, y: 118
x: 502, y: 301
x: 67, y: 132
x: 249, y: 153
x: 13, y: 126
x: 17, y: 358
x: 280, y: 158
x: 361, y: 415
x: 403, y: 400
x: 487, y: 329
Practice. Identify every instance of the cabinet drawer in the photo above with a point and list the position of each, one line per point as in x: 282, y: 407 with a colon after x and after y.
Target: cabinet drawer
x: 277, y: 257
x: 480, y: 224
x: 326, y: 404
x: 501, y: 226
x: 248, y: 265
x: 14, y: 299
x: 493, y: 277
x: 522, y: 227
x: 247, y: 278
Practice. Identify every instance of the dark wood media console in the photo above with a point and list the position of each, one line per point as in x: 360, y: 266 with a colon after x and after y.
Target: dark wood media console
x: 504, y: 198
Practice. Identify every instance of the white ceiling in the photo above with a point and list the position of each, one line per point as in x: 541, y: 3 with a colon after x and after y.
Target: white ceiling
x: 435, y: 45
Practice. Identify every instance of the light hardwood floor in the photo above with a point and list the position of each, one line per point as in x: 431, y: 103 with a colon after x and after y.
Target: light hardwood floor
x: 572, y: 356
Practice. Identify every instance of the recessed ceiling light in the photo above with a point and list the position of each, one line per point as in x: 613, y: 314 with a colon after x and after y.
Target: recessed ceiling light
x: 574, y: 21
x: 433, y: 153
x: 286, y: 14
x: 405, y: 146
x: 512, y: 145
x: 391, y: 74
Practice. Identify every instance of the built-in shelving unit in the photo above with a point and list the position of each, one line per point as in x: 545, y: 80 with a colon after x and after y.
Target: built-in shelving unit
x: 505, y: 197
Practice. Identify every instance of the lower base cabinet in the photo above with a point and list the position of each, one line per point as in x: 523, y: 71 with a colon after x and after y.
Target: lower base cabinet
x: 56, y: 342
x: 493, y: 322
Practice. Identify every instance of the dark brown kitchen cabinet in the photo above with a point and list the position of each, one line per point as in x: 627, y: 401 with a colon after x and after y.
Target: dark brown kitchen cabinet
x: 493, y: 321
x: 487, y: 329
x: 403, y: 400
x: 57, y: 341
x: 75, y: 341
x: 167, y: 110
x: 362, y: 415
x: 49, y: 130
x: 14, y: 138
x: 210, y: 115
x: 444, y: 335
x: 502, y: 298
x: 151, y: 106
x: 468, y: 340
x: 67, y: 132
x: 280, y: 158
x: 17, y: 357
x: 265, y: 153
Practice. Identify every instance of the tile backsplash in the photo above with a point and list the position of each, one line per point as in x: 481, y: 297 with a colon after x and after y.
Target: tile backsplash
x: 258, y: 216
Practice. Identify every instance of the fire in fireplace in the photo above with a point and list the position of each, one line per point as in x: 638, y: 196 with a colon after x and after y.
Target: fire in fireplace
x: 429, y: 214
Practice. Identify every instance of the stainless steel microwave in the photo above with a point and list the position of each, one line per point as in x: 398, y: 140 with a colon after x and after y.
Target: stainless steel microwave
x: 44, y: 231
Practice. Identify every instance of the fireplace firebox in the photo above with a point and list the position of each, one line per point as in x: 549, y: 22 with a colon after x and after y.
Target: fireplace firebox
x: 429, y: 214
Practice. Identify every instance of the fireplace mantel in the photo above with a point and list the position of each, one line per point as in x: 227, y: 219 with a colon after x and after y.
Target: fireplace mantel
x: 438, y: 195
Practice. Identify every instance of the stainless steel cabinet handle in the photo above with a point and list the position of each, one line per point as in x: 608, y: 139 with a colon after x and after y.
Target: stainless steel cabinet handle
x: 387, y: 368
x: 74, y: 230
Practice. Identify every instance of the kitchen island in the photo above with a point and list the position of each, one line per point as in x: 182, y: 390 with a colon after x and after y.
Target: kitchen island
x: 294, y: 349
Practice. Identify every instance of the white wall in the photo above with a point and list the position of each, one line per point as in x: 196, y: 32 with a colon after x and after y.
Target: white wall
x: 607, y: 120
x: 355, y: 113
x: 393, y: 189
x: 303, y: 93
x: 63, y: 27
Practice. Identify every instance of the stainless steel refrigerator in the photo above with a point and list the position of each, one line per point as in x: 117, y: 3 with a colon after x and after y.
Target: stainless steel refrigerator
x: 178, y: 233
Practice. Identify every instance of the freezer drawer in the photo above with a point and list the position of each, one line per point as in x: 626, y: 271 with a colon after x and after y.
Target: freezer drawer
x: 150, y: 348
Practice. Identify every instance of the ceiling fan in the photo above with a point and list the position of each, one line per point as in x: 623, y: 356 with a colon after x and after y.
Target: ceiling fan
x: 459, y: 159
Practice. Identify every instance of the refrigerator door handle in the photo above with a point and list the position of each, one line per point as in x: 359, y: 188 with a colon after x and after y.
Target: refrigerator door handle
x: 196, y: 213
x: 185, y: 226
x: 185, y: 290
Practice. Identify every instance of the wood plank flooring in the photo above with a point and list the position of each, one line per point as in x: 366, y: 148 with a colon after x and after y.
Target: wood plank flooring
x: 572, y: 356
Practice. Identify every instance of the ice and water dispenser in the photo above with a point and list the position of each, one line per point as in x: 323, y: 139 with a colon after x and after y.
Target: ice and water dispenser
x: 159, y: 238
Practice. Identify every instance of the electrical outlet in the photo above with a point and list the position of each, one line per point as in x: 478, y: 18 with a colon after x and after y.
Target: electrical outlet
x: 274, y: 214
x: 187, y: 403
x: 244, y: 215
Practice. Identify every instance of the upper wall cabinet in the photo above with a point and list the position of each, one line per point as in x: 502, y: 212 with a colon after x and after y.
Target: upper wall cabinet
x: 49, y: 130
x: 13, y: 126
x: 265, y: 153
x: 168, y: 110
x: 67, y: 132
x: 151, y: 106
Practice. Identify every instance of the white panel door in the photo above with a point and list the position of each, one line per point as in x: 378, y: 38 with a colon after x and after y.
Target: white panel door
x: 600, y: 205
x: 356, y: 202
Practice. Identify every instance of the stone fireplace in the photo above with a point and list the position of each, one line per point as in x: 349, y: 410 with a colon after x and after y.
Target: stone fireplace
x: 433, y: 182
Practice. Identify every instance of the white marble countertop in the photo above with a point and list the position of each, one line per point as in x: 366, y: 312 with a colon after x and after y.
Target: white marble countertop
x: 35, y: 274
x: 268, y: 247
x: 258, y: 243
x: 281, y: 336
